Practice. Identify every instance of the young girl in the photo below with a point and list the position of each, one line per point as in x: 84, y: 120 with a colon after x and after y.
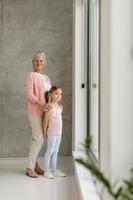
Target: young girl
x: 52, y: 126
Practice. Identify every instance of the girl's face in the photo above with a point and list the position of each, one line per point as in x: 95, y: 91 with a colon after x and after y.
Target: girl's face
x: 38, y: 63
x: 56, y: 95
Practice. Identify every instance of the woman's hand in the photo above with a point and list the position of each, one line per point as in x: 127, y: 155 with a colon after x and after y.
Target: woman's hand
x: 47, y: 107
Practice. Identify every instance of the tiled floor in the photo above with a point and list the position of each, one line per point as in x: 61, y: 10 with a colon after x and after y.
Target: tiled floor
x: 14, y: 185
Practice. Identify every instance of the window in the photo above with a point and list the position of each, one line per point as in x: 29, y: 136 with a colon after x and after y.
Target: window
x: 86, y: 72
x: 93, y: 74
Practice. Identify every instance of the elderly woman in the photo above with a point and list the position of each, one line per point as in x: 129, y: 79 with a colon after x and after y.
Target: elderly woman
x: 36, y: 85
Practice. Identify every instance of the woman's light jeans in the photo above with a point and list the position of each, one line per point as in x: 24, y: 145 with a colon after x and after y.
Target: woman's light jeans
x: 50, y: 158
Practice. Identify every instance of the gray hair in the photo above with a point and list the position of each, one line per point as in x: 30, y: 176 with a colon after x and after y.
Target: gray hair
x: 40, y: 53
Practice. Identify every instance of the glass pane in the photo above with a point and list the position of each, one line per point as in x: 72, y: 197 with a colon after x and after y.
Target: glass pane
x: 94, y: 73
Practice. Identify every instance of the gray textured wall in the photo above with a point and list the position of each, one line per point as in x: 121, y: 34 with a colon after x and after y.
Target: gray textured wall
x: 25, y: 27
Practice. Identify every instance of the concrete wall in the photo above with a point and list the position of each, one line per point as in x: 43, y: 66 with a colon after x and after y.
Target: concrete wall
x: 25, y: 27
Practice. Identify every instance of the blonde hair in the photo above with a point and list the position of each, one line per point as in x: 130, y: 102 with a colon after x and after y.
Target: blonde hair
x: 39, y: 53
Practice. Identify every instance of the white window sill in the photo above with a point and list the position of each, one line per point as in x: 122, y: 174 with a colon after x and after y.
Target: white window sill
x: 85, y: 184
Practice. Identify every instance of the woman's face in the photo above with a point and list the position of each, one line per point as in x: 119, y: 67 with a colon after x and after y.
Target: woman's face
x: 38, y: 63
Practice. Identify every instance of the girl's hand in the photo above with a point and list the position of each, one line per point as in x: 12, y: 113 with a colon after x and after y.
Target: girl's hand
x: 40, y: 103
x: 45, y: 135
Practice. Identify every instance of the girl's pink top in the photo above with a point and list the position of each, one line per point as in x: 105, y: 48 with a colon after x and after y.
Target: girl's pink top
x: 55, y: 121
x: 34, y: 86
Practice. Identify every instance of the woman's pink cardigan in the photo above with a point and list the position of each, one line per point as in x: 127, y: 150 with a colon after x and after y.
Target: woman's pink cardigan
x: 34, y: 86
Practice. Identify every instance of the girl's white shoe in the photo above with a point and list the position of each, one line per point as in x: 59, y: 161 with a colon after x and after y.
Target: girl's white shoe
x: 48, y: 175
x: 58, y: 173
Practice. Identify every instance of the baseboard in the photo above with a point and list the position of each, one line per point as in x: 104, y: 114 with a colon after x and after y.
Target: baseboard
x: 5, y: 162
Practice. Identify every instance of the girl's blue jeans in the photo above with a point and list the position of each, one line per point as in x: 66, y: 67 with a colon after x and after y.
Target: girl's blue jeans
x: 50, y: 158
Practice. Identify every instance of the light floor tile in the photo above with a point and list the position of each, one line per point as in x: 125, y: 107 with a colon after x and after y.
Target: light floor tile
x: 15, y: 185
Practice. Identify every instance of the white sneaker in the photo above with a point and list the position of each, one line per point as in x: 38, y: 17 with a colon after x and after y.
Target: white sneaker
x: 48, y: 175
x: 58, y: 173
